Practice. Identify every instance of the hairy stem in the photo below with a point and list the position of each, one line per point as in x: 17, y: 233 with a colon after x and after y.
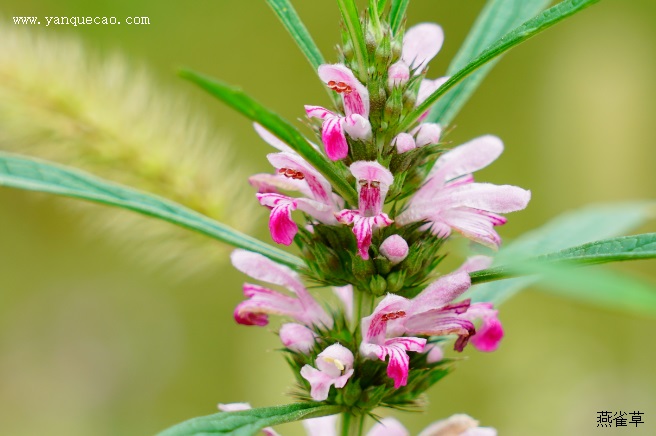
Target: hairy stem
x: 352, y: 425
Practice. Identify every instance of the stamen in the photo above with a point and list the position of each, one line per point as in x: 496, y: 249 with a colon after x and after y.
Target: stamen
x: 340, y: 87
x: 392, y: 315
x: 338, y: 363
x: 291, y: 173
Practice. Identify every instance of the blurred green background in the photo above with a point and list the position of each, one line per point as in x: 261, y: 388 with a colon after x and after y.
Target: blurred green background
x: 93, y: 343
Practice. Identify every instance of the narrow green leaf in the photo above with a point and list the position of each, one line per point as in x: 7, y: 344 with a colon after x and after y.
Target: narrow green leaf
x: 290, y: 19
x: 381, y: 5
x: 520, y: 34
x: 238, y: 100
x: 600, y: 287
x: 351, y: 18
x: 496, y: 19
x: 609, y: 250
x: 36, y: 175
x: 572, y: 228
x: 249, y: 422
x: 397, y: 14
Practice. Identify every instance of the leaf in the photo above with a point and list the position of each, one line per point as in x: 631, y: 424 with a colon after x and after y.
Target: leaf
x: 249, y: 422
x: 290, y: 19
x: 36, y: 175
x: 600, y: 287
x: 496, y: 19
x: 397, y: 14
x: 572, y: 228
x: 520, y: 34
x: 349, y: 11
x: 238, y: 100
x: 608, y: 250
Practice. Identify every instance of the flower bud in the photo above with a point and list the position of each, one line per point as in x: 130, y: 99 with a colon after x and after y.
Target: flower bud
x: 404, y: 142
x: 398, y: 74
x: 377, y: 285
x: 428, y: 133
x: 297, y: 337
x: 395, y: 281
x: 434, y: 353
x: 394, y: 248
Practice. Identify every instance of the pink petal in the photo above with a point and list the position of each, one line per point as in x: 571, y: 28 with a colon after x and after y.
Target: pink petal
x: 281, y: 225
x: 355, y: 102
x: 428, y: 133
x: 388, y: 427
x: 262, y: 302
x: 489, y: 334
x: 398, y: 74
x: 366, y: 170
x: 404, y: 142
x: 476, y: 263
x: 375, y: 325
x: 266, y: 183
x: 319, y: 186
x: 261, y: 268
x: 399, y: 362
x: 234, y: 407
x: 363, y: 230
x: 454, y: 425
x: 434, y: 354
x: 328, y: 360
x: 297, y: 337
x: 394, y: 248
x: 427, y: 87
x: 467, y: 158
x: 334, y: 139
x: 345, y: 295
x: 322, y: 426
x: 319, y: 112
x: 272, y: 139
x: 320, y: 211
x: 474, y: 224
x: 421, y: 43
x: 357, y: 127
x: 346, y: 216
x: 441, y: 292
x: 320, y: 383
x: 489, y: 197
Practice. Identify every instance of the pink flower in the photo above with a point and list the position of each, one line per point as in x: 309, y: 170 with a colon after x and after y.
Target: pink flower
x: 457, y: 425
x: 345, y: 295
x: 373, y: 182
x: 297, y: 337
x: 355, y: 98
x: 420, y: 44
x: 431, y: 313
x: 263, y: 301
x: 450, y: 200
x: 335, y: 365
x: 375, y: 343
x: 293, y: 173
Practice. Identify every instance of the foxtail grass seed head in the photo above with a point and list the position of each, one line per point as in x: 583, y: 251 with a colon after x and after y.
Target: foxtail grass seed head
x: 109, y: 117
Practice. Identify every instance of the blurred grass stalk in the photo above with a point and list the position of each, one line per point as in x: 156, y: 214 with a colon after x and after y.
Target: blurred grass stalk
x: 59, y: 102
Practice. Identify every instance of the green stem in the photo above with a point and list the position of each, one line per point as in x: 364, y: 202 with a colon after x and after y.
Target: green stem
x: 364, y: 304
x: 352, y: 425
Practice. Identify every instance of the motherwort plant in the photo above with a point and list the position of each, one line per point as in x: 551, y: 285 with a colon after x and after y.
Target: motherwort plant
x: 368, y: 203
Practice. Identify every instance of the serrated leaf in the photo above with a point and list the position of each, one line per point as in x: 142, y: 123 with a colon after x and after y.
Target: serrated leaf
x: 515, y: 37
x: 249, y: 422
x: 575, y: 227
x: 608, y: 250
x: 496, y: 19
x: 397, y: 14
x: 299, y: 33
x: 36, y: 175
x: 241, y: 102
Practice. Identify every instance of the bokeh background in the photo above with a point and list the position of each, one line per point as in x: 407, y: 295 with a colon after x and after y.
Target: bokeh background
x: 95, y: 342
